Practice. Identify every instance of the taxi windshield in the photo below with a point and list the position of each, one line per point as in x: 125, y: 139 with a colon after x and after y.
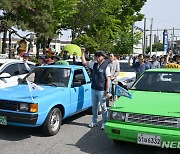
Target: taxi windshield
x: 58, y: 77
x: 158, y: 82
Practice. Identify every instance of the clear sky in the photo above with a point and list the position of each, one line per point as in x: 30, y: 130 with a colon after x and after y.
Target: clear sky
x: 165, y: 14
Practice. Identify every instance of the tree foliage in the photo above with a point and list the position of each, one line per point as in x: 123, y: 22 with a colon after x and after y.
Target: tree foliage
x: 155, y: 47
x: 105, y: 20
x: 99, y: 23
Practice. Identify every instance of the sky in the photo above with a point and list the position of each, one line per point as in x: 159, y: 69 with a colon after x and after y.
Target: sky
x: 165, y: 14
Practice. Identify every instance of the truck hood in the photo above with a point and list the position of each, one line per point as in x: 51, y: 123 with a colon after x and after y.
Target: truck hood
x: 154, y: 103
x: 22, y: 93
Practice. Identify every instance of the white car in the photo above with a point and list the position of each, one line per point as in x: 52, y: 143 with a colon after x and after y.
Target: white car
x: 11, y: 70
x: 127, y: 75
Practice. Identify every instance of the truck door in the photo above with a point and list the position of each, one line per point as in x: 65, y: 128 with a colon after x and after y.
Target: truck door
x: 80, y: 91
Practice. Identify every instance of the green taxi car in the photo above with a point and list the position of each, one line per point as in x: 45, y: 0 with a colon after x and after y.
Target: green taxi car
x: 152, y: 115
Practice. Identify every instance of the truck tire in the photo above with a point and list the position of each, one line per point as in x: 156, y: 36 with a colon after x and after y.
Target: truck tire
x: 53, y: 122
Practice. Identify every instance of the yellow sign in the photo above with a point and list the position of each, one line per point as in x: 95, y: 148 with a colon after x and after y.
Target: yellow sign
x: 172, y: 65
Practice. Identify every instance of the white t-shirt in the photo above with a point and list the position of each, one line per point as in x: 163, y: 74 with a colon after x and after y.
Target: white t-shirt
x: 108, y: 73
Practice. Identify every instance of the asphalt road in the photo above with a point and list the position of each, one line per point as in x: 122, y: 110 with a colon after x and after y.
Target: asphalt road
x: 74, y: 138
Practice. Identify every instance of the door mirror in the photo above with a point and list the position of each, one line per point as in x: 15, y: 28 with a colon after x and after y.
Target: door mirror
x: 5, y: 75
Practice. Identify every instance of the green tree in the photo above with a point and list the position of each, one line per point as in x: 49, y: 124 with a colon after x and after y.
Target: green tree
x: 98, y: 21
x: 126, y: 41
x: 155, y: 47
x: 45, y: 18
x: 104, y: 20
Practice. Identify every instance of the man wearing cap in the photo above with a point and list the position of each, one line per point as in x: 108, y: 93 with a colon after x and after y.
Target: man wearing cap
x: 25, y: 59
x: 41, y: 60
x: 100, y: 86
x: 55, y: 58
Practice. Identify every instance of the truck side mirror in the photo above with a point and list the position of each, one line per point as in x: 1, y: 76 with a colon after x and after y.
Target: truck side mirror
x: 5, y: 75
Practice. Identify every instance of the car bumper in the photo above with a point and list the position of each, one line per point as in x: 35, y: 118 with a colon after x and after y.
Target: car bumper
x: 129, y: 133
x: 21, y: 118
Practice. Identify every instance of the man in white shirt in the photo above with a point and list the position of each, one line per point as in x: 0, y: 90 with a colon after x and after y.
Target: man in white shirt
x: 114, y: 69
x: 25, y: 59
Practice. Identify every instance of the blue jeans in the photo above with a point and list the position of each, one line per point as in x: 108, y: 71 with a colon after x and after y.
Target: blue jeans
x: 98, y: 97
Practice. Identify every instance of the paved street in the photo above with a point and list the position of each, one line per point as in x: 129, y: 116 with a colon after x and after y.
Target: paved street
x: 74, y: 137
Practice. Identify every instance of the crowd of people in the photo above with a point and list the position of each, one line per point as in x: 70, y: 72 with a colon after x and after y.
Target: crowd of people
x: 143, y: 62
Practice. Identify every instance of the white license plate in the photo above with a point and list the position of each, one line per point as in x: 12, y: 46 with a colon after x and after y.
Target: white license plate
x: 3, y: 120
x: 146, y: 139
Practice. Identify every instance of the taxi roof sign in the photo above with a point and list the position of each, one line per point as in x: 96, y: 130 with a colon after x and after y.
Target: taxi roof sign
x: 172, y: 65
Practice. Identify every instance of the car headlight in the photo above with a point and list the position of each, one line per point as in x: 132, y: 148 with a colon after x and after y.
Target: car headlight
x: 113, y: 115
x: 129, y: 80
x: 24, y: 107
x: 178, y: 119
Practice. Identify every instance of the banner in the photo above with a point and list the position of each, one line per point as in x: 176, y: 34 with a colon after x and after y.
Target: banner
x: 165, y: 41
x: 32, y: 86
x: 122, y: 92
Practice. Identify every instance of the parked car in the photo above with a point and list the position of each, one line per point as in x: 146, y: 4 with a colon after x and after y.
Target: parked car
x: 127, y: 75
x: 11, y: 70
x: 152, y: 115
x: 45, y: 96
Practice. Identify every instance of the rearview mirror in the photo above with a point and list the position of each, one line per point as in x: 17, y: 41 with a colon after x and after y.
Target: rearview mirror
x: 5, y: 75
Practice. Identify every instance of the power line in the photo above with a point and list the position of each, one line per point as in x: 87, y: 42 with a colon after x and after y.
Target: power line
x: 161, y: 29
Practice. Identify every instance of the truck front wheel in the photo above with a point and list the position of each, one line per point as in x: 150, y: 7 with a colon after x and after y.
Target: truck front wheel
x: 53, y: 122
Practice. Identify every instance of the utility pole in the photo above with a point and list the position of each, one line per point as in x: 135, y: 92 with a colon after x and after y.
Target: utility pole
x: 144, y: 37
x: 172, y: 39
x: 151, y: 36
x: 132, y: 32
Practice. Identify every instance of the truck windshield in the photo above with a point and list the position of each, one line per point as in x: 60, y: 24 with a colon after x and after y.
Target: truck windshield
x: 158, y: 82
x: 49, y: 76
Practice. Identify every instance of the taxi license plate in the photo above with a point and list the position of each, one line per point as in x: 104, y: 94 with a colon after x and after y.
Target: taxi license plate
x: 146, y: 139
x: 3, y: 120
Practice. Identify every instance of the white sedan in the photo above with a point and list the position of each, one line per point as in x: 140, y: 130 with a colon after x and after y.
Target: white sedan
x: 11, y: 70
x: 127, y: 75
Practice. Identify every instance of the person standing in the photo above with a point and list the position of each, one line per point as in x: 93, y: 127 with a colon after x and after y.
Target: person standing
x: 100, y: 86
x: 154, y: 62
x: 114, y: 70
x: 25, y: 59
x: 41, y: 60
x: 55, y: 59
x: 138, y: 65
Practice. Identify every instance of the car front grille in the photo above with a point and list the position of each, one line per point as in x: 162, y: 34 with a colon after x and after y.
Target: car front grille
x: 8, y: 105
x: 152, y: 120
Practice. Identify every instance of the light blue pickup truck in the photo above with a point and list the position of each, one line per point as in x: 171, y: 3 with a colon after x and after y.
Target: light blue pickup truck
x: 45, y: 96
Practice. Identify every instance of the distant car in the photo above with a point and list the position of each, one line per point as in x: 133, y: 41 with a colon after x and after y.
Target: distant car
x: 127, y: 75
x: 11, y: 70
x: 152, y: 115
x: 45, y: 96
